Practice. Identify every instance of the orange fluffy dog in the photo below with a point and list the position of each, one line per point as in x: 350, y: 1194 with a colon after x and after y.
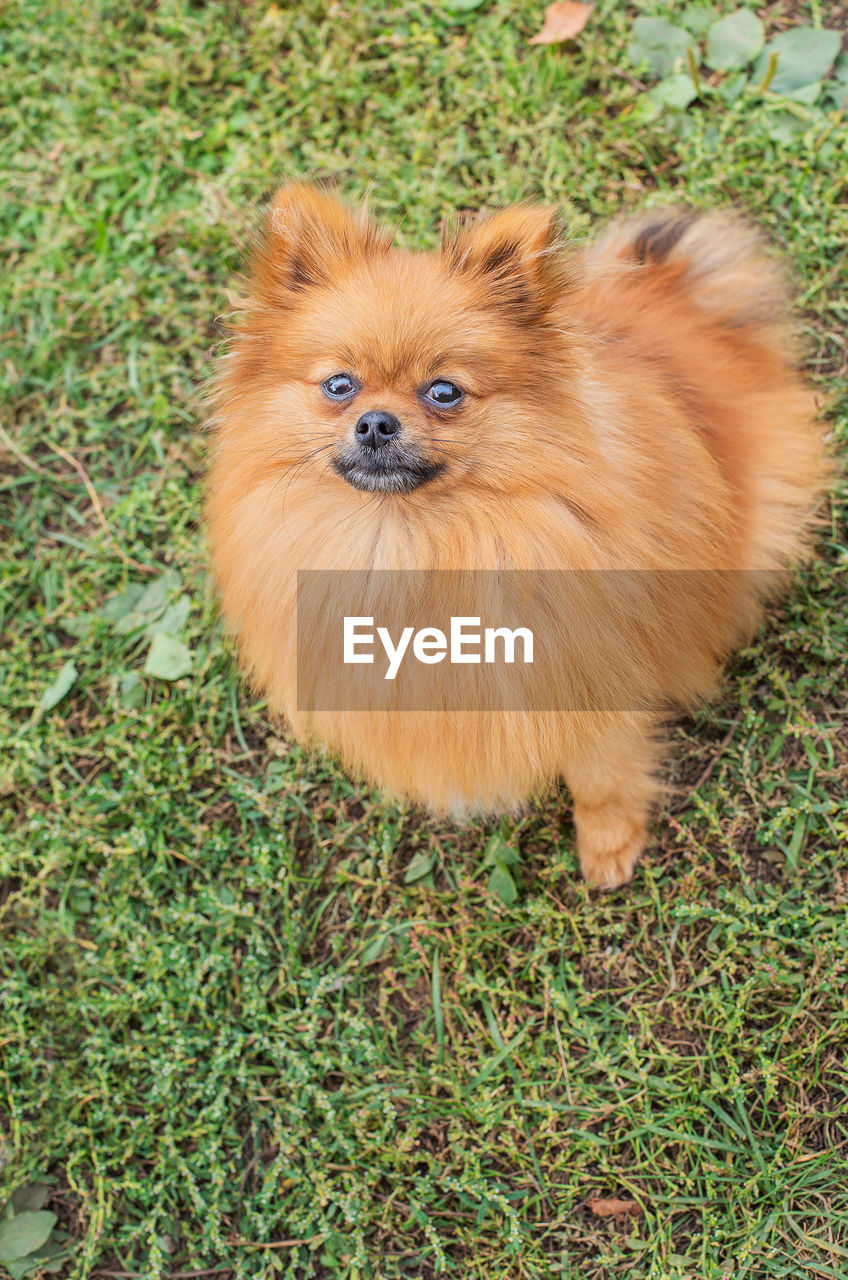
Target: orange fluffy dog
x: 512, y: 404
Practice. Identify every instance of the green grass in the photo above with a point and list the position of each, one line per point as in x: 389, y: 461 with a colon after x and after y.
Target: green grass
x: 234, y: 1041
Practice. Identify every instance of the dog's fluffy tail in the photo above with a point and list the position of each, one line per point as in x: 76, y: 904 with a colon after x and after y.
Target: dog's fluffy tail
x: 696, y: 299
x: 719, y: 261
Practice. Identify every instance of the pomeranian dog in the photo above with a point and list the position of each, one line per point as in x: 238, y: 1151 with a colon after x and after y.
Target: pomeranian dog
x: 513, y: 403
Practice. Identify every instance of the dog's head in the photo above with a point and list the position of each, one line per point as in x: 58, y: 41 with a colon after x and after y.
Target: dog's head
x: 388, y: 370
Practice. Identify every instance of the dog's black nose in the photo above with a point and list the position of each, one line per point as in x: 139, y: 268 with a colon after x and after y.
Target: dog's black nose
x: 376, y: 428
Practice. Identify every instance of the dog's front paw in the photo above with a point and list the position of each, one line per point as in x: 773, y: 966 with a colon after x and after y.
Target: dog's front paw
x: 608, y: 846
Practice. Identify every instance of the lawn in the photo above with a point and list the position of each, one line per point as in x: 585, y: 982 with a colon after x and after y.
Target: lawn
x: 257, y: 1022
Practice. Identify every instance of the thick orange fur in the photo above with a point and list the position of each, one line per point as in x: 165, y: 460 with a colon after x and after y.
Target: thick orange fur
x: 633, y: 405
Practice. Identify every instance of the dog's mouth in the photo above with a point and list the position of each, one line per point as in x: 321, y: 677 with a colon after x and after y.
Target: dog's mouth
x: 386, y: 470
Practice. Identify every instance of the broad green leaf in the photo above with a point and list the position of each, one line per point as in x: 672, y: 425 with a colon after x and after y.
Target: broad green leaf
x: 24, y: 1233
x: 807, y: 95
x: 659, y: 45
x: 174, y: 618
x: 31, y: 1197
x: 697, y: 17
x: 140, y: 605
x: 55, y: 692
x: 836, y: 86
x: 420, y: 866
x: 152, y: 599
x: 21, y: 1266
x: 168, y: 659
x: 462, y: 6
x: 46, y: 1261
x: 131, y: 689
x: 118, y: 606
x: 499, y: 850
x: 129, y: 622
x: 674, y: 93
x: 502, y: 884
x: 734, y: 41
x: 804, y: 55
x: 80, y: 626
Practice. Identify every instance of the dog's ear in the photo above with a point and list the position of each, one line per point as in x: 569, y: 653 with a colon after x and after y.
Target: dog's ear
x: 517, y: 253
x: 309, y: 237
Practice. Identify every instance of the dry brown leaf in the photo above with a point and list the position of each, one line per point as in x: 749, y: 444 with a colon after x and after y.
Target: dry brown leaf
x: 613, y: 1208
x: 563, y: 22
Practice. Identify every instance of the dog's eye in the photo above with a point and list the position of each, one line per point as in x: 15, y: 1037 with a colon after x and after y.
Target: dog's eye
x: 444, y: 394
x: 339, y: 386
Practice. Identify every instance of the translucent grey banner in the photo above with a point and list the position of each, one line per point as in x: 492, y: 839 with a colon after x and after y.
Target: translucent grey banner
x: 520, y: 640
